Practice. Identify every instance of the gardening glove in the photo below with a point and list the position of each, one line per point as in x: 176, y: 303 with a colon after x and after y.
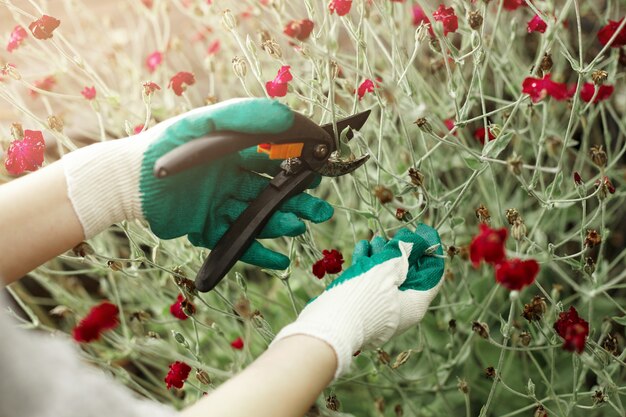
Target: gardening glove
x: 113, y: 181
x: 386, y: 290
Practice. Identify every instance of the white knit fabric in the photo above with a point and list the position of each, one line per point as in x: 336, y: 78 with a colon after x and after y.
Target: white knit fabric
x: 362, y: 312
x: 43, y: 376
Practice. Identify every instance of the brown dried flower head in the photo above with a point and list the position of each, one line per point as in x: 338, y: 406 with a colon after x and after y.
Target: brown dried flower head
x: 55, y: 123
x: 593, y: 238
x: 462, y: 386
x: 332, y: 403
x: 598, y: 155
x: 598, y: 397
x: 546, y: 62
x: 203, y: 377
x: 481, y: 329
x: 417, y: 178
x: 115, y: 265
x: 272, y: 48
x: 540, y: 412
x: 490, y: 372
x: 475, y: 19
x: 482, y: 214
x: 515, y: 164
x: 83, y: 249
x: 518, y: 230
x: 599, y: 77
x: 590, y: 265
x: 383, y: 194
x: 610, y: 344
x: 525, y: 338
x: 401, y: 359
x: 240, y: 68
x: 383, y: 357
x: 452, y: 251
x: 379, y: 404
x: 423, y: 124
x: 511, y: 215
x: 452, y: 326
x: 535, y: 310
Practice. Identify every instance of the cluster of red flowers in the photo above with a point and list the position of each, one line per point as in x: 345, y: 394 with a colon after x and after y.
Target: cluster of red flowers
x: 329, y: 264
x: 25, y: 154
x: 278, y: 86
x: 489, y: 246
x: 573, y: 329
x: 100, y: 318
x: 177, y: 375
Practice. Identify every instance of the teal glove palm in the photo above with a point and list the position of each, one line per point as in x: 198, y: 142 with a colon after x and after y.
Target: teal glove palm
x: 203, y: 201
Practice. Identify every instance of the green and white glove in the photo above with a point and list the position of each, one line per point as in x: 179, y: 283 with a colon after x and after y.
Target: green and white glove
x: 386, y: 290
x: 113, y: 181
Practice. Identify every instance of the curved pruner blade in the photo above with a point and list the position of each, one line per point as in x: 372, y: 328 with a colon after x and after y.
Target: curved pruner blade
x: 337, y: 168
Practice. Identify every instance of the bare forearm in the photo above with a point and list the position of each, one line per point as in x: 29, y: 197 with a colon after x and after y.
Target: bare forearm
x: 284, y: 381
x: 37, y: 221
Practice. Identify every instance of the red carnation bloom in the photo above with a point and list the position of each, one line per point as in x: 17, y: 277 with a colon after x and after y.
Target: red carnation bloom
x: 237, y: 343
x: 89, y: 92
x: 342, y: 7
x: 177, y: 308
x: 177, y: 375
x: 330, y: 263
x: 573, y: 329
x: 538, y: 88
x: 488, y: 246
x: 26, y: 154
x: 366, y: 86
x: 606, y: 33
x: 589, y: 89
x: 278, y: 86
x: 138, y: 129
x: 516, y: 274
x: 446, y: 16
x: 299, y: 29
x: 537, y: 24
x: 178, y: 81
x: 513, y: 4
x: 154, y: 60
x: 17, y: 37
x: 480, y: 133
x: 102, y: 317
x: 43, y: 27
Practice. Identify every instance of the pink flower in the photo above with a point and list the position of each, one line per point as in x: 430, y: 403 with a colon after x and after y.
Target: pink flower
x: 89, y: 92
x: 177, y: 375
x: 538, y: 88
x: 419, y: 16
x: 43, y: 84
x: 43, y: 27
x: 479, y: 135
x: 154, y: 60
x: 17, y: 37
x: 516, y: 274
x: 513, y: 4
x: 299, y: 29
x: 589, y: 89
x: 102, y: 317
x: 214, y: 47
x: 446, y: 16
x: 342, y: 7
x: 606, y: 33
x: 138, y: 129
x: 278, y: 86
x: 26, y: 154
x: 366, y: 86
x: 179, y: 80
x: 237, y: 343
x: 537, y: 24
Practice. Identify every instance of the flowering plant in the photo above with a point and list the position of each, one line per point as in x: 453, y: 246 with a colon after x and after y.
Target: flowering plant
x: 500, y: 123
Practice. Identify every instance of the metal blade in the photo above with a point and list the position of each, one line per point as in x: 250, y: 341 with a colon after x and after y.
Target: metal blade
x: 355, y: 122
x: 337, y: 168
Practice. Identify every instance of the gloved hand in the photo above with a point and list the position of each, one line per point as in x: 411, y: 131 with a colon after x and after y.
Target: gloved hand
x: 386, y: 290
x: 113, y: 181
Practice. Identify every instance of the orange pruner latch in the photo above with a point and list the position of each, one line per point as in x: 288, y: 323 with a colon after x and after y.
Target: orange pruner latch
x: 282, y: 151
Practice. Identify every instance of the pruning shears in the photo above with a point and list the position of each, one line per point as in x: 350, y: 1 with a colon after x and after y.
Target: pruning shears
x: 307, y: 149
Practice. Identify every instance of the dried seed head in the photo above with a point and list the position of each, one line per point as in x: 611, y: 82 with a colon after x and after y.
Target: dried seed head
x: 272, y: 48
x: 403, y: 215
x: 180, y: 278
x: 115, y: 265
x: 598, y: 397
x: 332, y: 403
x: 423, y: 124
x: 482, y: 214
x: 203, y: 377
x: 511, y: 215
x: 383, y: 357
x: 590, y: 266
x: 540, y: 412
x: 228, y: 20
x: 535, y: 310
x: 17, y: 131
x: 383, y: 194
x: 452, y: 250
x: 610, y: 344
x: 598, y: 155
x: 83, y: 249
x: 518, y: 230
x: 553, y: 145
x: 401, y: 359
x: 188, y: 308
x: 334, y: 69
x: 481, y: 329
x: 546, y: 62
x: 398, y: 410
x: 240, y: 67
x: 55, y: 123
x: 515, y: 164
x: 606, y: 187
x: 209, y: 100
x: 462, y: 385
x: 593, y: 238
x: 475, y: 19
x: 599, y: 77
x: 452, y: 326
x: 242, y: 307
x: 417, y: 178
x: 379, y: 404
x: 464, y: 252
x: 525, y: 338
x: 11, y: 71
x: 490, y: 372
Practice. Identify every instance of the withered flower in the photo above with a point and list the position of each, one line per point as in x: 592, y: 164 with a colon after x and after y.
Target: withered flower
x: 490, y: 372
x: 593, y: 238
x: 475, y: 19
x: 610, y: 344
x: 383, y: 194
x: 511, y: 215
x: 599, y: 76
x: 598, y: 155
x: 417, y: 178
x: 481, y: 329
x: 535, y: 310
x: 482, y: 213
x: 383, y: 357
x: 332, y: 403
x: 546, y: 62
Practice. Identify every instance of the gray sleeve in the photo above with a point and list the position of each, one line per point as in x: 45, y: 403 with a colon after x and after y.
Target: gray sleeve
x: 42, y: 375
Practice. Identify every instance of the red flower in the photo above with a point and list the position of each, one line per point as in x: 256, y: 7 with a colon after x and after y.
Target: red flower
x: 278, y: 87
x: 513, y: 4
x: 178, y: 307
x: 366, y: 86
x: 588, y: 90
x: 516, y: 274
x: 26, y: 154
x: 538, y: 88
x: 43, y: 84
x: 419, y: 16
x: 573, y: 329
x: 330, y: 263
x: 488, y: 246
x: 606, y: 182
x: 237, y: 343
x: 299, y: 29
x: 17, y: 37
x: 479, y: 135
x: 447, y: 17
x: 102, y: 317
x: 606, y: 33
x: 342, y: 7
x: 177, y: 375
x: 214, y: 47
x: 577, y: 178
x: 138, y: 129
x: 178, y: 81
x: 150, y: 87
x: 43, y: 27
x: 537, y: 24
x: 89, y: 92
x: 154, y: 60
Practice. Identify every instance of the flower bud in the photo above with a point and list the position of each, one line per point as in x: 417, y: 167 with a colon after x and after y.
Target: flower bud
x: 598, y: 156
x: 518, y: 230
x: 423, y: 124
x: 417, y: 178
x: 272, y: 48
x: 546, y: 62
x: 203, y: 377
x: 383, y: 194
x: 240, y: 67
x: 481, y: 329
x: 55, y: 123
x: 475, y: 19
x: 401, y: 359
x: 228, y: 20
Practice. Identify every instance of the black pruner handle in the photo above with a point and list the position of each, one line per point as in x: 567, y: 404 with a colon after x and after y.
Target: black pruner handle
x: 238, y: 238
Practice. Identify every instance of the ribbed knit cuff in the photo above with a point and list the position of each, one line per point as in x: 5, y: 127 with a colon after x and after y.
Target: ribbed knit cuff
x: 103, y: 182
